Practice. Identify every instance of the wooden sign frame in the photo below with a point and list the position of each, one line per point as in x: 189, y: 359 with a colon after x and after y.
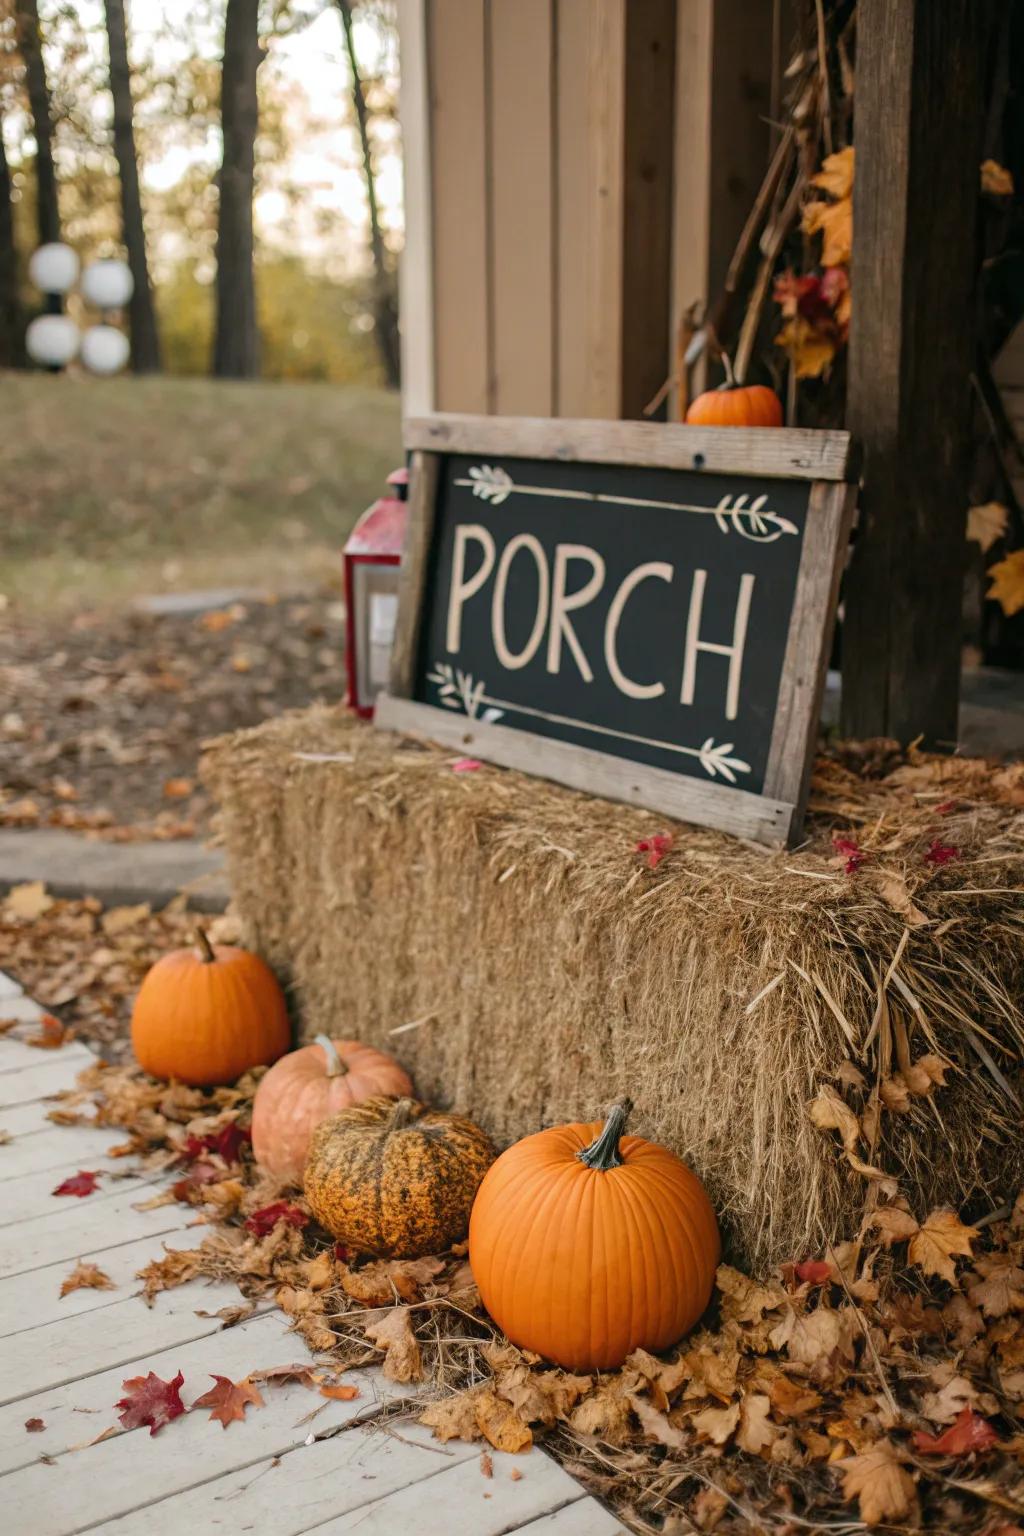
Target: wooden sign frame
x: 773, y: 816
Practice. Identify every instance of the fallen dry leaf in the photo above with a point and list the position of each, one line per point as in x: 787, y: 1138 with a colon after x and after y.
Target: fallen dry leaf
x: 1007, y: 587
x: 882, y: 1486
x: 28, y: 901
x: 86, y: 1276
x: 500, y: 1424
x: 393, y: 1333
x: 756, y: 1433
x: 934, y: 1245
x: 79, y: 1184
x: 340, y: 1392
x: 656, y: 1425
x: 148, y: 1400
x: 716, y: 1424
x: 970, y: 1432
x: 34, y: 1426
x: 227, y: 1400
x: 987, y: 523
x: 996, y: 180
x: 1000, y: 1288
x: 486, y: 1464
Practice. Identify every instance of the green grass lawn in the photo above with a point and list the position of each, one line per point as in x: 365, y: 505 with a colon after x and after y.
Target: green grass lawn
x: 113, y: 488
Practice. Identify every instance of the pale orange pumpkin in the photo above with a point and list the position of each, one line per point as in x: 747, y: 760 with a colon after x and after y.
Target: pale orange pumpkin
x: 308, y: 1086
x: 586, y: 1244
x: 208, y: 1014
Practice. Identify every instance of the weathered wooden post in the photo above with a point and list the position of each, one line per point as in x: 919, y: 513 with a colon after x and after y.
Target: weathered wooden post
x: 919, y: 113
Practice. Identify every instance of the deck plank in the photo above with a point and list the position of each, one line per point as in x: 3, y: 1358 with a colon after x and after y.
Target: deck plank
x: 32, y: 1300
x: 78, y: 1411
x: 82, y: 1231
x: 48, y: 1076
x: 38, y: 1151
x: 135, y: 1471
x: 114, y: 1335
x: 16, y: 1056
x: 462, y: 1501
x: 30, y: 1197
x: 310, y: 1485
x: 584, y: 1518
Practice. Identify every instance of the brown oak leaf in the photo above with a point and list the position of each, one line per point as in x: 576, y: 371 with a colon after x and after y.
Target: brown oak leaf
x: 756, y: 1433
x: 453, y: 1418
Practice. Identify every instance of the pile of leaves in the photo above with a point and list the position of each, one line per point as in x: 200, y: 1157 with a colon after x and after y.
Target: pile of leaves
x: 105, y: 733
x: 879, y: 1382
x: 85, y: 963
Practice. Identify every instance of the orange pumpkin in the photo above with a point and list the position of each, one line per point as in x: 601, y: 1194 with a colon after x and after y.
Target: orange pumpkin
x: 208, y: 1014
x: 586, y: 1244
x: 310, y: 1085
x: 750, y: 405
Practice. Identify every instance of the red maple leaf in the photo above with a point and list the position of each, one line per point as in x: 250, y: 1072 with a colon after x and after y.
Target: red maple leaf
x: 813, y: 1272
x: 655, y: 848
x: 263, y: 1221
x: 846, y: 848
x: 81, y: 1184
x: 940, y: 852
x: 227, y: 1143
x: 228, y: 1400
x: 946, y: 808
x: 341, y: 1252
x: 148, y: 1400
x: 969, y: 1432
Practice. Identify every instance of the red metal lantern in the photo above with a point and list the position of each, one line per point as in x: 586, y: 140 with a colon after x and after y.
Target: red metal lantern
x: 373, y: 553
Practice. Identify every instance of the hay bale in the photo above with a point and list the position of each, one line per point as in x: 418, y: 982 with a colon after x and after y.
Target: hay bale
x: 545, y: 969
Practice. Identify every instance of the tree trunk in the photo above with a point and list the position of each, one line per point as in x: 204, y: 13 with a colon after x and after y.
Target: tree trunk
x: 236, y: 347
x: 11, y: 351
x: 30, y: 44
x: 385, y: 310
x: 141, y: 315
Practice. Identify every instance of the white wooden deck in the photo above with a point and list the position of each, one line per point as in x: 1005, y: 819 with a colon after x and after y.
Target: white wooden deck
x: 299, y: 1464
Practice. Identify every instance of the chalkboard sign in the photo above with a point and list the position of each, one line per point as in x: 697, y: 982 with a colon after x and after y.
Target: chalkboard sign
x: 642, y: 611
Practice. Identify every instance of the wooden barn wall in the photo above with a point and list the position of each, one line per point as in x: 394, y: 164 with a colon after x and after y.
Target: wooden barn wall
x: 582, y: 169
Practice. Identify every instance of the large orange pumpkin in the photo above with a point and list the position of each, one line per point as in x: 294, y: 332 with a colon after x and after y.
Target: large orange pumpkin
x: 308, y: 1086
x: 587, y: 1244
x: 751, y: 405
x: 392, y: 1177
x: 208, y: 1014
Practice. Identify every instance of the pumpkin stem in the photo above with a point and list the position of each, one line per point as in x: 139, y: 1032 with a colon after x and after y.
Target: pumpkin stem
x: 402, y: 1115
x: 335, y: 1066
x: 604, y: 1153
x: 204, y: 946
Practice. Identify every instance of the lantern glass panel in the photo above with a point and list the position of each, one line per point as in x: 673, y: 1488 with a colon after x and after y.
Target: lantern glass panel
x: 375, y: 595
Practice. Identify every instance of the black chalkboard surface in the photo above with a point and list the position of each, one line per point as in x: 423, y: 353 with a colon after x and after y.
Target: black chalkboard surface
x: 647, y: 612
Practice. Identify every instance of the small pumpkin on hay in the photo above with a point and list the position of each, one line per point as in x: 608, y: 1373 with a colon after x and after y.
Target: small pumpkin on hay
x: 308, y: 1086
x: 207, y: 1015
x: 396, y: 1179
x: 586, y: 1244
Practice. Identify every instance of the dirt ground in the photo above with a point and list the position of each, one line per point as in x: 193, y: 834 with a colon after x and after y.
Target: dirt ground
x: 102, y: 717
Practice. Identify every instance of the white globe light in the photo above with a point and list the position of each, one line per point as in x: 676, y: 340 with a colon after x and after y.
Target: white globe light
x: 52, y: 340
x: 108, y: 284
x: 53, y: 268
x: 104, y: 349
